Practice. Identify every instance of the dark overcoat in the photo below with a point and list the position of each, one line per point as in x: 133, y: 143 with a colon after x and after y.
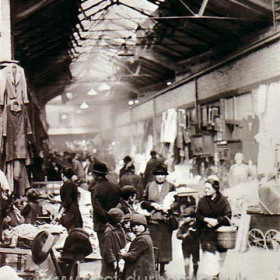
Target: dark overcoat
x: 125, y: 207
x: 139, y: 261
x: 149, y: 171
x: 129, y: 178
x: 115, y: 240
x: 218, y: 208
x: 104, y: 196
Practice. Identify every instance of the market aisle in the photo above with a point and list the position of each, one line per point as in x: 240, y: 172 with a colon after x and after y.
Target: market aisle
x: 256, y: 264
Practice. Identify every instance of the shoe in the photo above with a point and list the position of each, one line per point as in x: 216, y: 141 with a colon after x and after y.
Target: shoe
x: 163, y: 274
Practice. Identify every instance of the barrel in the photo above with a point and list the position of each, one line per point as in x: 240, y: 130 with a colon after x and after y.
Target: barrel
x: 226, y: 237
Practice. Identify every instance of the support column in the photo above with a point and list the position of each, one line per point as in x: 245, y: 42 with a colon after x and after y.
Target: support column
x: 154, y: 125
x: 5, y: 30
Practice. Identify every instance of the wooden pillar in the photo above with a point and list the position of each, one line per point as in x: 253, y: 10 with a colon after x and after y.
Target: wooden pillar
x: 154, y: 125
x: 5, y: 30
x: 197, y: 110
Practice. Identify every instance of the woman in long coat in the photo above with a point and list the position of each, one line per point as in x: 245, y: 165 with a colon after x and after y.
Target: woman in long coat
x: 159, y: 229
x: 213, y: 211
x: 69, y: 214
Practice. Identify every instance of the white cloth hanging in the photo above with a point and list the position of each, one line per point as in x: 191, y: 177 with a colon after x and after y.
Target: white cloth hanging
x: 269, y: 134
x: 169, y: 126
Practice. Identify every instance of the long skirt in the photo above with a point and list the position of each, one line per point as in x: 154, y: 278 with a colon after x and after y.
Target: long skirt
x: 72, y: 217
x: 162, y: 239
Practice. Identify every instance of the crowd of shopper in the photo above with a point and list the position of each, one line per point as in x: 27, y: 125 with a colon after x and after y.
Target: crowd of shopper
x: 134, y: 216
x: 114, y: 207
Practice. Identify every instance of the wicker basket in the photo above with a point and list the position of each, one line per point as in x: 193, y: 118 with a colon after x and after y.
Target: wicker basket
x: 226, y: 237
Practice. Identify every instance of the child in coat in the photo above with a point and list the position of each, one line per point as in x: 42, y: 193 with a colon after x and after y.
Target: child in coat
x: 188, y: 233
x: 114, y: 241
x: 139, y: 260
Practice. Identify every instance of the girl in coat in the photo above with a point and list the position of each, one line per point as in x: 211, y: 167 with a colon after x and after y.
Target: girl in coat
x: 139, y: 260
x: 114, y: 241
x: 213, y: 210
x: 69, y: 214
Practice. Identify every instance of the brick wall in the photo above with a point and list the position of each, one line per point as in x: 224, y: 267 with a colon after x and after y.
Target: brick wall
x: 257, y: 67
x: 5, y: 30
x: 175, y: 97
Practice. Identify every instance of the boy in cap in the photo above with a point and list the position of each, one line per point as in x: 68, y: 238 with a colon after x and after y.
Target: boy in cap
x: 139, y: 260
x: 188, y: 233
x: 114, y: 241
x: 128, y: 197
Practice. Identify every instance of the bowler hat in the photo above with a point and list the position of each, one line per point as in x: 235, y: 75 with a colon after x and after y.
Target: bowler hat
x: 127, y: 159
x: 41, y: 246
x: 160, y: 169
x: 116, y: 215
x: 77, y: 245
x: 100, y: 168
x: 138, y: 219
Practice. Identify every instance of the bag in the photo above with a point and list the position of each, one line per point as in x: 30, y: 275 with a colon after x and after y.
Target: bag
x: 172, y: 223
x: 226, y: 236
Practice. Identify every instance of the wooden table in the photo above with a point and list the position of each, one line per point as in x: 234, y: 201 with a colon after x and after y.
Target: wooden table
x: 13, y: 251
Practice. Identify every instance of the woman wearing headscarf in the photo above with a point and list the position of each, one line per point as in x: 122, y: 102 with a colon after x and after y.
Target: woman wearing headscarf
x: 160, y: 231
x: 69, y: 214
x: 213, y: 211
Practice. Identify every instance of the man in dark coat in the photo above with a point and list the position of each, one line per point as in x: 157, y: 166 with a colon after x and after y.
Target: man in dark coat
x: 127, y: 160
x: 104, y: 196
x: 130, y: 178
x: 150, y: 167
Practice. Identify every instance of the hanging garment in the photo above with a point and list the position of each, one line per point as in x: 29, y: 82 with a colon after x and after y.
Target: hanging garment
x: 169, y: 127
x: 1, y: 129
x: 16, y: 128
x: 17, y: 177
x: 269, y: 134
x: 13, y: 85
x: 182, y: 118
x: 248, y: 129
